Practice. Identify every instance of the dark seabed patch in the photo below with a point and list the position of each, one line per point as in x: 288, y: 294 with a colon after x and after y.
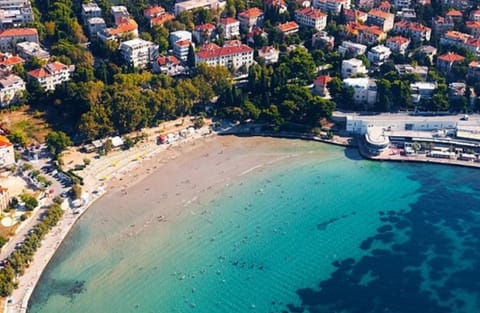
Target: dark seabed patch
x: 425, y: 259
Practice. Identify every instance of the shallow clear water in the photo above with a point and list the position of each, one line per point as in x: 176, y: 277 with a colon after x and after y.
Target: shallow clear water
x: 326, y: 233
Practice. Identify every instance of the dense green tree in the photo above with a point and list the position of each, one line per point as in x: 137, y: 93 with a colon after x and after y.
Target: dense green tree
x: 57, y: 142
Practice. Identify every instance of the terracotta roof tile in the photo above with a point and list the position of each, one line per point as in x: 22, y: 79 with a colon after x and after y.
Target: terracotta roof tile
x: 251, y: 13
x: 451, y: 57
x: 288, y: 26
x: 12, y: 32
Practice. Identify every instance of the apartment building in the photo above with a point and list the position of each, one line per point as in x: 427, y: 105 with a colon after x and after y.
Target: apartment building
x: 90, y: 10
x: 331, y: 6
x: 230, y: 27
x: 11, y: 89
x: 353, y: 67
x: 7, y: 155
x: 398, y: 44
x: 310, y: 17
x: 382, y: 19
x: 29, y: 50
x: 190, y: 5
x: 413, y: 30
x: 10, y: 37
x: 232, y: 54
x: 51, y: 75
x: 251, y: 18
x: 138, y: 52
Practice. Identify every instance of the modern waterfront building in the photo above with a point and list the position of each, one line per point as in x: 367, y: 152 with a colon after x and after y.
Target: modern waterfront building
x: 375, y: 140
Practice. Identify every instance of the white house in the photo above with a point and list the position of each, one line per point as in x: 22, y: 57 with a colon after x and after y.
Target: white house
x: 365, y: 89
x: 353, y: 66
x: 138, y: 52
x: 230, y: 27
x: 51, y: 75
x: 95, y: 25
x: 28, y: 50
x: 12, y: 87
x: 379, y: 54
x: 168, y: 65
x: 180, y: 35
x: 311, y: 17
x: 422, y: 90
x: 190, y: 5
x: 89, y: 10
x: 333, y: 6
x: 7, y: 155
x: 351, y: 49
x: 251, y: 18
x: 10, y: 37
x: 181, y: 48
x: 398, y: 44
x: 269, y: 54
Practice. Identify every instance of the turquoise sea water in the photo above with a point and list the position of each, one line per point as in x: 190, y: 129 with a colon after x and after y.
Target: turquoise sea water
x: 327, y: 233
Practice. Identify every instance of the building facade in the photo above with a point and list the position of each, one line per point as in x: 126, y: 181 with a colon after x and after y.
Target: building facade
x: 310, y: 17
x: 7, y: 155
x: 10, y: 37
x: 232, y: 54
x: 138, y: 52
x: 51, y: 75
x: 12, y: 88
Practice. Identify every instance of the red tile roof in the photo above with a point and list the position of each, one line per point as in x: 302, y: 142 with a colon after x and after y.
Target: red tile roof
x: 163, y: 60
x: 381, y: 14
x: 251, y: 13
x: 451, y: 57
x: 16, y: 32
x: 275, y: 3
x: 311, y: 12
x: 413, y: 26
x: 287, y: 27
x: 228, y: 21
x: 211, y: 50
x: 183, y: 43
x: 159, y: 20
x: 4, y: 142
x: 203, y: 27
x: 48, y: 70
x: 454, y: 13
x: 123, y: 28
x: 472, y: 24
x: 10, y: 60
x: 323, y: 79
x: 399, y: 40
x: 153, y: 11
x: 473, y: 42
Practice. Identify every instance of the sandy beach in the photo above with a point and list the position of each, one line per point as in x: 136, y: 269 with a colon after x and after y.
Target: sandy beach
x: 182, y: 172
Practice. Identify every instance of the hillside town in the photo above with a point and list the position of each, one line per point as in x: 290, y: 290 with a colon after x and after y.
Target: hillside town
x: 95, y: 75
